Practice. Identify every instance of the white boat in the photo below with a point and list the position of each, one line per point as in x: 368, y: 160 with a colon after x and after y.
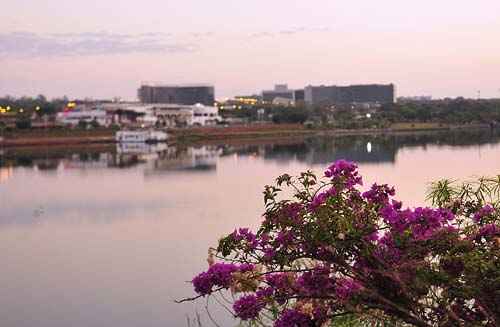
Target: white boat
x: 140, y: 136
x: 140, y: 148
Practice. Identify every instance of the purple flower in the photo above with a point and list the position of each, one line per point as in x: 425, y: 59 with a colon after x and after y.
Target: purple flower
x: 264, y: 292
x: 344, y: 172
x: 484, y: 211
x: 219, y: 274
x: 203, y: 283
x: 379, y: 194
x: 291, y: 212
x: 269, y: 254
x: 489, y: 230
x: 316, y: 282
x: 279, y: 281
x: 248, y: 307
x: 317, y: 201
x: 346, y: 288
x: 293, y: 318
x: 244, y: 234
x: 284, y: 238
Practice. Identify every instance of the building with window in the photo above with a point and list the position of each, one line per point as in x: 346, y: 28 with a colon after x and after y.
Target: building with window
x: 281, y: 94
x: 370, y: 93
x: 73, y: 117
x: 178, y: 94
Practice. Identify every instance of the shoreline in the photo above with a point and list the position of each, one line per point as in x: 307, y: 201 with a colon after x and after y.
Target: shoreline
x: 218, y: 134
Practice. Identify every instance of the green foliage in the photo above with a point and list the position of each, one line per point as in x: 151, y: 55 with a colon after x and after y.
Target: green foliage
x: 94, y: 124
x: 484, y: 190
x: 329, y: 254
x: 23, y: 123
x: 453, y: 111
x: 289, y: 115
x: 83, y: 124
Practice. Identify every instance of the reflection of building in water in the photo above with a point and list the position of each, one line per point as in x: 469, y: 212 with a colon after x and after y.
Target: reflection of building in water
x: 46, y: 164
x: 6, y: 173
x: 174, y: 159
x: 381, y: 150
x: 140, y: 148
x: 323, y: 150
x: 87, y: 161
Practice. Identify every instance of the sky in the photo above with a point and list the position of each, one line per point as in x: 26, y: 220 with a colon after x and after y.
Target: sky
x: 105, y: 49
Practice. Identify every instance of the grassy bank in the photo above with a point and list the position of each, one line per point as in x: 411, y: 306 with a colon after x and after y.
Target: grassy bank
x: 65, y: 136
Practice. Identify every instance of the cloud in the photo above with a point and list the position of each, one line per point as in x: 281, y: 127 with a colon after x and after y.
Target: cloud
x: 33, y: 45
x: 290, y: 32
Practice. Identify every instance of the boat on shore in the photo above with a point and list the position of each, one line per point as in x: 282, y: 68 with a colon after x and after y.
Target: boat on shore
x: 141, y: 136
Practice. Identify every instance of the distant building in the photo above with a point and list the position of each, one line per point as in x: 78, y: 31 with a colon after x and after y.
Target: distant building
x: 73, y: 117
x: 279, y: 101
x: 419, y: 98
x: 178, y: 94
x: 171, y: 115
x: 372, y: 93
x: 298, y: 96
x: 281, y: 93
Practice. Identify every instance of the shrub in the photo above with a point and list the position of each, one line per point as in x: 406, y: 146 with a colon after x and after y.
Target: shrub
x: 333, y: 253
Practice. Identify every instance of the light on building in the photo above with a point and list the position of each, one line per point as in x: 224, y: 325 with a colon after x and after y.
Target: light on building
x: 368, y: 116
x: 37, y: 108
x: 369, y: 147
x: 21, y: 110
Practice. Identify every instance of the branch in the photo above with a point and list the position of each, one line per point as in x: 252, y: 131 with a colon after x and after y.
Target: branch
x: 189, y: 299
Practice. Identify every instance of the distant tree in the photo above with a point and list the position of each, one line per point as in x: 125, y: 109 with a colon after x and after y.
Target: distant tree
x: 94, y: 123
x: 82, y: 124
x: 23, y: 123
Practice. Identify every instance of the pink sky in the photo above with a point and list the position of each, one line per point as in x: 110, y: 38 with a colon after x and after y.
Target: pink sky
x: 104, y: 49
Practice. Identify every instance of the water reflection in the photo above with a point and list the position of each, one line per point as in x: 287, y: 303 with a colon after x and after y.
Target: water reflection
x: 162, y: 158
x: 108, y: 235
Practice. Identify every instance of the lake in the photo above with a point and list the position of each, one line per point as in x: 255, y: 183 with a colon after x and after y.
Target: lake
x: 109, y: 235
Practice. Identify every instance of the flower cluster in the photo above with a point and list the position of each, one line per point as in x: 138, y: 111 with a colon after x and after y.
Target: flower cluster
x: 248, y: 307
x: 220, y: 275
x: 344, y: 172
x: 483, y: 212
x: 333, y: 250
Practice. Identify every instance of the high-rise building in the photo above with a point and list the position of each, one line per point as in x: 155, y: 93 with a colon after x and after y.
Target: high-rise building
x: 280, y: 91
x: 371, y: 93
x: 179, y: 94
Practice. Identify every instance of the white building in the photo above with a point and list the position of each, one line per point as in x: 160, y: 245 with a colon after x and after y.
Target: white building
x: 173, y: 115
x: 73, y: 117
x: 204, y: 115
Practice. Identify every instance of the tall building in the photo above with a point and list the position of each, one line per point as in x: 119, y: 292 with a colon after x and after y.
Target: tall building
x: 179, y: 94
x: 282, y: 92
x: 371, y: 93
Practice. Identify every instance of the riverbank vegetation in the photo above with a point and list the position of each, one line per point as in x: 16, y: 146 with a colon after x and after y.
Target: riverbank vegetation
x: 333, y: 254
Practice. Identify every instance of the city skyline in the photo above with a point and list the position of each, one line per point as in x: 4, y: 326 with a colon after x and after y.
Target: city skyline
x: 102, y: 50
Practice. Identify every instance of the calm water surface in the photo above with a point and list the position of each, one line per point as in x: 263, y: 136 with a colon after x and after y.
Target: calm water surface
x: 108, y: 237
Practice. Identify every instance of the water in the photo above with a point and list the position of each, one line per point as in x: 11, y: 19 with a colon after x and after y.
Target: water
x: 100, y: 236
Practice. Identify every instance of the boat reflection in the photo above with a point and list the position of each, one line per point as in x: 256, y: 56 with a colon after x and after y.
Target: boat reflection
x: 162, y: 158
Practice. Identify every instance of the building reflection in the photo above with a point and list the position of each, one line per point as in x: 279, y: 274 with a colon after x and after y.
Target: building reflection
x: 162, y: 158
x: 6, y: 173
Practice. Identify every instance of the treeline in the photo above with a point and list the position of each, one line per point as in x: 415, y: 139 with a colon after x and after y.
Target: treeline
x: 456, y: 111
x: 30, y: 104
x: 270, y: 113
x: 449, y: 111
